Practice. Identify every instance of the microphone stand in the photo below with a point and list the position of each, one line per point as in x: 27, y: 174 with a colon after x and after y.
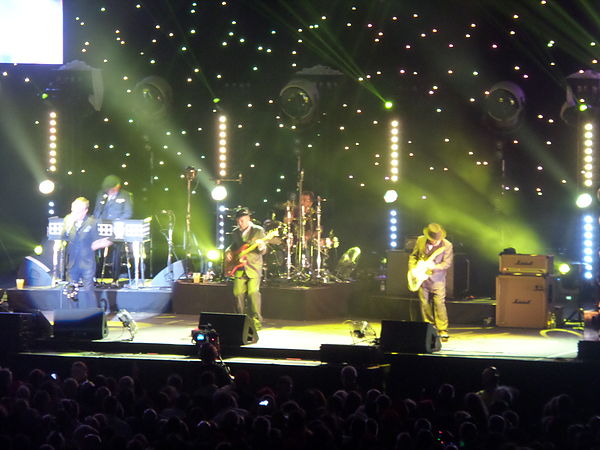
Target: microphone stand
x: 190, y: 175
x: 171, y: 276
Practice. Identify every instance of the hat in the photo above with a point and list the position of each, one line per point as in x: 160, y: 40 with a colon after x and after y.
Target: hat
x: 434, y: 231
x: 110, y: 182
x: 240, y: 212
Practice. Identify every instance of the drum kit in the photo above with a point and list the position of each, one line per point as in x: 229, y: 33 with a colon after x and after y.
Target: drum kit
x: 301, y: 251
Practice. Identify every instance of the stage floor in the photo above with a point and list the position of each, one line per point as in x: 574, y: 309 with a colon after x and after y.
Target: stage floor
x: 466, y: 341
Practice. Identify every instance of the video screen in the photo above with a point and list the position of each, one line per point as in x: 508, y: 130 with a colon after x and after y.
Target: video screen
x: 31, y: 31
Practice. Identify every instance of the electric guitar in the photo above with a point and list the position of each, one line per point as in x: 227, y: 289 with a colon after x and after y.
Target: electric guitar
x: 239, y: 260
x: 422, y: 270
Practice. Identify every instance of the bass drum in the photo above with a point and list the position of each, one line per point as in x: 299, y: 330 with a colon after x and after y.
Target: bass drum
x: 274, y: 261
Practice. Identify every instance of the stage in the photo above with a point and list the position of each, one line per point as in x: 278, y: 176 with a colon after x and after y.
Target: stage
x: 280, y: 301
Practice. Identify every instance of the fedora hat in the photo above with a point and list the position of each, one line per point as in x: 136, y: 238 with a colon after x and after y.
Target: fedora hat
x: 240, y: 212
x: 434, y: 232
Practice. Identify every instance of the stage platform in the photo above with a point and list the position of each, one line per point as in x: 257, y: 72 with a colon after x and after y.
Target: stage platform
x: 279, y: 302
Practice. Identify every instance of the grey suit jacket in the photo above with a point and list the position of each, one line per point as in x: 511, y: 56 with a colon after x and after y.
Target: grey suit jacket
x: 443, y: 260
x: 253, y: 268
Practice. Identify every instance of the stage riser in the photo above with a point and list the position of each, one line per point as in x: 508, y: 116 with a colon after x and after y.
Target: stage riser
x: 50, y: 299
x: 337, y: 301
x: 288, y: 303
x: 400, y: 308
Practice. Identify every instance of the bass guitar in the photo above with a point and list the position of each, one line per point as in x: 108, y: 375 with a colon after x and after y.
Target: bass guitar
x: 422, y: 270
x: 239, y: 260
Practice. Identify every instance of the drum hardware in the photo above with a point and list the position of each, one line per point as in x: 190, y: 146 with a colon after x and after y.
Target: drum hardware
x: 190, y: 243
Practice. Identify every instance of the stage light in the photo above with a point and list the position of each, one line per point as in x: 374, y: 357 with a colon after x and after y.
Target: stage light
x: 361, y: 331
x: 504, y: 104
x: 347, y: 263
x: 127, y: 320
x: 564, y: 268
x: 583, y: 200
x: 46, y: 187
x: 388, y: 105
x: 213, y: 255
x: 299, y: 100
x: 219, y: 193
x: 152, y: 97
x: 390, y: 196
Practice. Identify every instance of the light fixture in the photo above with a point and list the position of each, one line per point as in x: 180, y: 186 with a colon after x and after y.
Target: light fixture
x: 127, y: 320
x: 504, y: 105
x: 582, y: 95
x: 219, y: 193
x: 152, y: 97
x: 46, y: 187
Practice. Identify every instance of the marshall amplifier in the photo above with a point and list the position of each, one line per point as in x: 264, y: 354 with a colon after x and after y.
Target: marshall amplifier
x: 526, y: 264
x: 523, y: 302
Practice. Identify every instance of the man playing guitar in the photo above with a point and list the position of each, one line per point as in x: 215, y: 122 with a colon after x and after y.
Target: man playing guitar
x: 247, y: 268
x: 427, y: 266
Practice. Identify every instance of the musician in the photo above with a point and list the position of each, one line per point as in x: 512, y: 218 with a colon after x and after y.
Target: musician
x: 438, y: 251
x: 113, y: 203
x: 246, y: 282
x: 81, y: 235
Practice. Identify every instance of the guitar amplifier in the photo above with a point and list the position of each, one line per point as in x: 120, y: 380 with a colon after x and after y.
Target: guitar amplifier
x: 526, y: 264
x: 523, y: 301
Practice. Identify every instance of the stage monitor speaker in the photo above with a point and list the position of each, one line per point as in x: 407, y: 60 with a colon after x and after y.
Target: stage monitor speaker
x: 351, y: 354
x: 161, y: 278
x: 80, y: 324
x: 35, y: 272
x: 408, y: 337
x: 233, y: 329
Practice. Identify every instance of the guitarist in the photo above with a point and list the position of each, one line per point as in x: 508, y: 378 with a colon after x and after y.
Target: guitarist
x: 246, y: 281
x: 432, y: 292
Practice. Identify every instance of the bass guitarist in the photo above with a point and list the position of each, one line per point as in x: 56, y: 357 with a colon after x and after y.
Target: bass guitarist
x: 432, y: 256
x: 246, y: 278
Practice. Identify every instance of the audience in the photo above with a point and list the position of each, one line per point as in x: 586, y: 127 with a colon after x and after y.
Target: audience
x: 90, y: 411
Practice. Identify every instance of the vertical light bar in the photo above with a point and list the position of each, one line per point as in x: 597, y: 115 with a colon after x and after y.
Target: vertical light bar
x: 394, y: 173
x: 393, y: 235
x: 589, y: 222
x: 222, y: 158
x: 52, y: 141
x: 52, y: 152
x: 221, y: 211
x: 394, y: 150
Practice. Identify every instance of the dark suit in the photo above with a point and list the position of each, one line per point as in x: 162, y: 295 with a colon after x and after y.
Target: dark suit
x: 434, y: 309
x: 119, y: 207
x: 81, y: 261
x: 246, y: 281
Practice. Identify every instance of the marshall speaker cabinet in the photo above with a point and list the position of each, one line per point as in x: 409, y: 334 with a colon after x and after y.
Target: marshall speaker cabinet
x: 523, y: 301
x: 526, y: 264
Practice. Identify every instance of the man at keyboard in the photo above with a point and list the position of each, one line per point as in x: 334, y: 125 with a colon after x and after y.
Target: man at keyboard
x: 113, y: 203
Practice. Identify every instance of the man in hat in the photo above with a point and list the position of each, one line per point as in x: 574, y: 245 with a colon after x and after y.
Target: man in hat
x: 433, y: 253
x: 113, y: 203
x: 248, y: 265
